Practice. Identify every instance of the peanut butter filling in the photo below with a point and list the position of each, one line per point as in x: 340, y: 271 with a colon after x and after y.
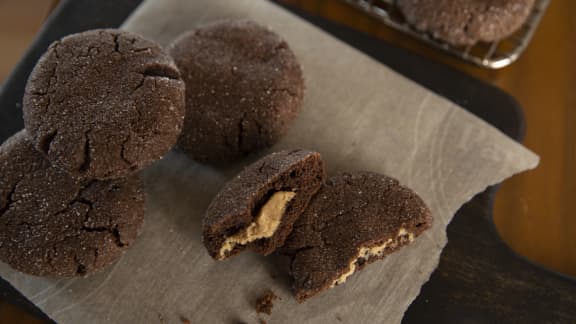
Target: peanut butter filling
x: 264, y: 225
x: 374, y: 251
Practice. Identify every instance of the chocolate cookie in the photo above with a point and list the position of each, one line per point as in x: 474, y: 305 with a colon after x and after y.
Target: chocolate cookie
x: 54, y: 225
x: 465, y: 22
x: 104, y: 103
x: 353, y: 220
x: 244, y: 88
x: 258, y: 207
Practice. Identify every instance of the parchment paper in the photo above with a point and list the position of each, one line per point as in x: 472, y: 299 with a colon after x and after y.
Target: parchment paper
x: 359, y: 115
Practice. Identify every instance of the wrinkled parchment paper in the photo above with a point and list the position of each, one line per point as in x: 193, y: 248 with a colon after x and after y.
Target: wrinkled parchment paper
x: 359, y: 115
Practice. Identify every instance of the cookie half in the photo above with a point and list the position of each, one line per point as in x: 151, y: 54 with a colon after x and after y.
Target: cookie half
x: 354, y: 219
x: 104, y: 103
x: 53, y: 225
x: 465, y: 22
x: 244, y: 89
x: 258, y: 207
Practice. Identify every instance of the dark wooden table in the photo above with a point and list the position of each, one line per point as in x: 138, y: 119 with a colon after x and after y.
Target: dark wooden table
x: 479, y: 278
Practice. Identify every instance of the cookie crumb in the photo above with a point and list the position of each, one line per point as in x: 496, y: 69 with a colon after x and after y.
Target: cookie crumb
x: 265, y: 303
x: 263, y: 321
x: 184, y: 320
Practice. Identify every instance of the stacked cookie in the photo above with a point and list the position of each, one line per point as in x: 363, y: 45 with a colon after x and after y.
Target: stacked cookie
x: 329, y: 228
x: 99, y: 106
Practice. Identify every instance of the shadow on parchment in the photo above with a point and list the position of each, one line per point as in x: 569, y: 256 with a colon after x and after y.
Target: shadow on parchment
x: 181, y: 190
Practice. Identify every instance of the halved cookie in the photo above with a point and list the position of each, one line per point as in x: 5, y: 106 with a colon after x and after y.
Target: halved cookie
x: 355, y: 219
x: 258, y: 207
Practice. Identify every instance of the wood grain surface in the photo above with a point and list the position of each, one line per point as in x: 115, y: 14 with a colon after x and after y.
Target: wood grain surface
x: 533, y: 210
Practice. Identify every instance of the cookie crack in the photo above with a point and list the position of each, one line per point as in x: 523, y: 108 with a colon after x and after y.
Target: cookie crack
x: 45, y: 141
x: 116, y: 43
x: 137, y: 50
x: 78, y: 198
x: 123, y: 151
x: 117, y: 237
x: 80, y: 267
x: 161, y: 71
x: 157, y: 71
x: 140, y: 84
x: 106, y: 229
x: 87, y: 153
x: 9, y: 199
x: 266, y: 166
x: 55, y: 48
x: 54, y: 72
x: 140, y: 50
x: 85, y: 186
x: 90, y: 48
x: 261, y: 168
x: 83, y: 201
x: 281, y: 46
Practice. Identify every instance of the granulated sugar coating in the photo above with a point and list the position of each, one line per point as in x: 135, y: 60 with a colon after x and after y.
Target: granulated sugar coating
x: 465, y: 22
x: 104, y: 103
x: 244, y: 89
x: 54, y: 225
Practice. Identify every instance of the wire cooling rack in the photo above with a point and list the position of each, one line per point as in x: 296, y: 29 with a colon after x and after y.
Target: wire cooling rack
x: 492, y: 55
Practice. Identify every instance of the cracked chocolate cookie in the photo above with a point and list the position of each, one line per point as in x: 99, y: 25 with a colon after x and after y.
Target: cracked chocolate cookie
x: 244, y: 89
x: 53, y: 225
x: 257, y: 208
x: 465, y: 22
x: 104, y: 103
x: 354, y: 219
